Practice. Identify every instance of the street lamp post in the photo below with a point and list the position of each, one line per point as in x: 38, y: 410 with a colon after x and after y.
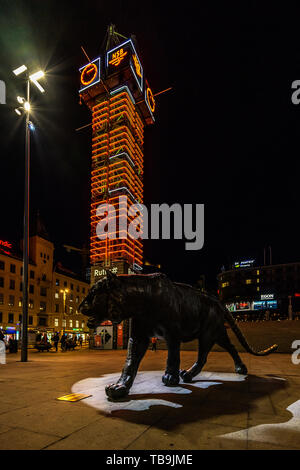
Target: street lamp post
x: 26, y: 108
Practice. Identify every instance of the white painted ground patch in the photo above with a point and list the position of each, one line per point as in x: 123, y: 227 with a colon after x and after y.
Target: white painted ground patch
x: 146, y: 383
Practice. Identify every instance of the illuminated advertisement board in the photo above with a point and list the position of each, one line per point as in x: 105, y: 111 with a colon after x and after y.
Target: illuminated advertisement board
x: 244, y: 264
x: 264, y: 304
x: 125, y: 55
x: 90, y: 74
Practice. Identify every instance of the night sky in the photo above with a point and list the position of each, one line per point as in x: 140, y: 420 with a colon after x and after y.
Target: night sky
x: 227, y: 135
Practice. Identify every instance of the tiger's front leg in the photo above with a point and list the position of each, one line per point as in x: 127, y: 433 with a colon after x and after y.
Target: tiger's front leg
x: 171, y: 375
x: 137, y: 347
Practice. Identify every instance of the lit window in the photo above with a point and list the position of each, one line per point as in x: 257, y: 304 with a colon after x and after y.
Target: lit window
x: 257, y: 289
x: 56, y: 295
x: 64, y: 323
x: 55, y: 321
x: 257, y: 272
x: 257, y: 280
x: 248, y: 281
x: 225, y: 284
x: 77, y: 324
x: 82, y: 324
x: 71, y: 323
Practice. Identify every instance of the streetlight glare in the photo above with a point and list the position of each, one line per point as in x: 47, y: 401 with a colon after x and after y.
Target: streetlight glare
x: 20, y: 70
x: 26, y: 106
x: 37, y: 75
x: 18, y: 111
x: 20, y: 99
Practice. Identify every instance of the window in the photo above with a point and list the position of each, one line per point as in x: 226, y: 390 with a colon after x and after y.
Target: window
x: 64, y: 323
x: 20, y: 301
x: 30, y: 320
x: 248, y: 281
x: 31, y: 274
x: 71, y: 297
x: 57, y: 282
x: 55, y: 321
x: 77, y: 324
x: 71, y: 323
x: 43, y: 291
x: 2, y: 265
x: 225, y: 284
x: 20, y: 318
x: 82, y: 324
x: 43, y: 306
x: 21, y: 286
x: 56, y: 294
x: 72, y: 286
x: 65, y: 284
x: 257, y: 280
x: 83, y: 290
x: 1, y: 299
x: 257, y: 272
x: 77, y: 299
x: 71, y: 310
x: 31, y: 289
x: 1, y: 281
x: 11, y: 300
x: 21, y: 270
x: 56, y: 308
x: 1, y: 317
x: 44, y: 277
x: 78, y: 289
x: 41, y: 255
x: 257, y: 289
x: 10, y: 318
x: 30, y: 304
x: 12, y: 268
x: 12, y: 284
x: 42, y: 321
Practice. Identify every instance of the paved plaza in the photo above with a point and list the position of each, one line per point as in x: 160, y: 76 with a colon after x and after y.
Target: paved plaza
x: 219, y: 410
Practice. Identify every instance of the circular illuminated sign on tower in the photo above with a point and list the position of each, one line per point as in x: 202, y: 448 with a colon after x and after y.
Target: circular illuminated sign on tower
x: 88, y: 74
x: 150, y: 99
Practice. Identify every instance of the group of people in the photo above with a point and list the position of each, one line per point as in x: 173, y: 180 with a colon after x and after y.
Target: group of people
x: 67, y: 342
x: 11, y: 345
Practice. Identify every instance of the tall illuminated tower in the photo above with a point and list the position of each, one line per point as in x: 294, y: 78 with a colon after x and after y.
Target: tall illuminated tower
x: 114, y: 88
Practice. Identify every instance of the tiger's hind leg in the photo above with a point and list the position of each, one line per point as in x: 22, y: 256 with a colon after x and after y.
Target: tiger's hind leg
x: 204, y: 348
x: 171, y: 375
x: 224, y: 342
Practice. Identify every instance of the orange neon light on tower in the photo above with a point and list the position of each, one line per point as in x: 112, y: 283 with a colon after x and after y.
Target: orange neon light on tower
x: 121, y: 102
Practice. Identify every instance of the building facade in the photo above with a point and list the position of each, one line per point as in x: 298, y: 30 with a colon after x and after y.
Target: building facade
x: 267, y: 290
x: 54, y: 293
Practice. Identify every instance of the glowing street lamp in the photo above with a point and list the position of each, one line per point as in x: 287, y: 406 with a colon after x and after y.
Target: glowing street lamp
x: 64, y: 292
x: 28, y: 126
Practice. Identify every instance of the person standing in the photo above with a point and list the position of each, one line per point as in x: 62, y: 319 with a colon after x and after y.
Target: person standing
x: 56, y: 340
x: 154, y: 341
x: 63, y: 342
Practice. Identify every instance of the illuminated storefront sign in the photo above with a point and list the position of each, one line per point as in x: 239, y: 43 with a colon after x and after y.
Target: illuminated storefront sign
x: 264, y: 305
x: 123, y: 55
x: 89, y: 74
x: 244, y: 264
x: 5, y: 244
x: 266, y: 296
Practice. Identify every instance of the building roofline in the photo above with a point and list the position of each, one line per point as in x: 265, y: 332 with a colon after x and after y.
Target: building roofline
x: 257, y: 267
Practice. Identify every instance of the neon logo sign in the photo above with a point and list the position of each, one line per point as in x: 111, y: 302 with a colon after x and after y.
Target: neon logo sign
x: 90, y: 74
x: 117, y: 57
x: 137, y: 65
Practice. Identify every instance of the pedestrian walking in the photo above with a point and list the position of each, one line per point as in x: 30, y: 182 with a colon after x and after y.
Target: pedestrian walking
x: 80, y: 341
x: 154, y: 341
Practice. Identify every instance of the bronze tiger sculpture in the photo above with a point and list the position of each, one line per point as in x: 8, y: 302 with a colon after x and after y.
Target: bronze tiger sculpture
x: 165, y: 309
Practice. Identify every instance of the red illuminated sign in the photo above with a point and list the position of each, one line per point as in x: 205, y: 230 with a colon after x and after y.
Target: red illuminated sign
x: 5, y: 244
